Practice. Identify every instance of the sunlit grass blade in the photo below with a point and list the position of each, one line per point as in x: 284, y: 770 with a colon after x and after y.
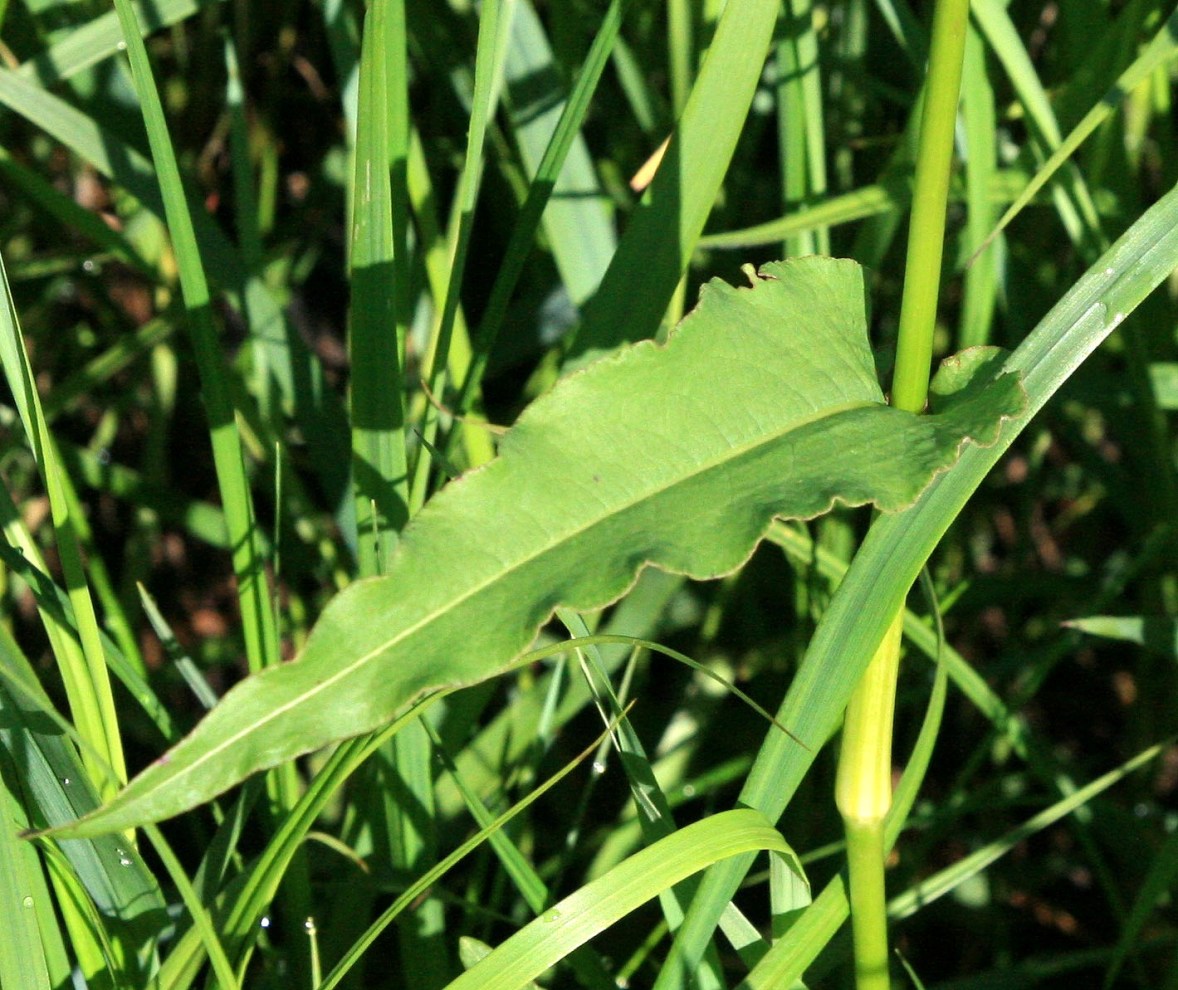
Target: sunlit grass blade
x: 22, y: 558
x: 379, y: 464
x: 494, y: 26
x: 1072, y: 198
x: 261, y: 639
x: 891, y: 194
x: 90, y: 43
x: 661, y: 236
x: 84, y: 672
x: 800, y: 122
x: 24, y: 899
x: 982, y: 279
x: 604, y: 901
x: 791, y: 955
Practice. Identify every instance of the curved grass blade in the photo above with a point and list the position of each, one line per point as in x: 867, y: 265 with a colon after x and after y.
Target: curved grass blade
x: 617, y: 469
x: 601, y: 903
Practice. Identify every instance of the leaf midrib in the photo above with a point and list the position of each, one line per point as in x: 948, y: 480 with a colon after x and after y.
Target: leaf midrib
x: 730, y: 454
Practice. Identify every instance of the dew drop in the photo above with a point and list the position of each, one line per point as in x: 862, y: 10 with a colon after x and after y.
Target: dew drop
x: 123, y: 858
x: 265, y: 922
x: 28, y: 901
x: 1110, y: 271
x: 689, y: 790
x: 65, y: 782
x: 309, y: 925
x: 88, y: 265
x: 550, y: 917
x: 121, y: 46
x: 598, y: 767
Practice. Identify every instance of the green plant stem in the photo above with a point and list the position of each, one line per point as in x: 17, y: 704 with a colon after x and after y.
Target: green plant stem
x: 863, y: 787
x: 926, y: 230
x: 865, y: 859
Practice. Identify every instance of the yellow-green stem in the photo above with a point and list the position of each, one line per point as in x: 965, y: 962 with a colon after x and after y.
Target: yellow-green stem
x: 863, y: 790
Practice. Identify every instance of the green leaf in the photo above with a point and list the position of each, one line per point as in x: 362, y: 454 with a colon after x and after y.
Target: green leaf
x: 763, y: 404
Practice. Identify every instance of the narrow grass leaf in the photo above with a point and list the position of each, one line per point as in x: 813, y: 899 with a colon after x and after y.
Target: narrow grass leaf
x: 601, y: 903
x: 661, y: 236
x: 490, y: 830
x: 88, y: 44
x: 947, y: 879
x: 84, y: 674
x: 617, y: 469
x: 1163, y: 49
x: 261, y: 639
x: 379, y: 465
x: 23, y: 963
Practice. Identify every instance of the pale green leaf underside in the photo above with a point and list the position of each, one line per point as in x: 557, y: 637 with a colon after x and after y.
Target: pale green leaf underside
x: 763, y: 404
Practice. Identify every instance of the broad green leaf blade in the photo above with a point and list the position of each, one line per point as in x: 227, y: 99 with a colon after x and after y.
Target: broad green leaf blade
x: 590, y: 910
x: 763, y: 404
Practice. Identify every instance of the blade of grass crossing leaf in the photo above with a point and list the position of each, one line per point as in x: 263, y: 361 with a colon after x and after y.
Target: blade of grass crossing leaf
x: 587, y: 964
x: 257, y: 619
x: 379, y: 465
x: 84, y: 673
x: 651, y: 805
x: 402, y: 811
x: 662, y: 234
x: 898, y: 546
